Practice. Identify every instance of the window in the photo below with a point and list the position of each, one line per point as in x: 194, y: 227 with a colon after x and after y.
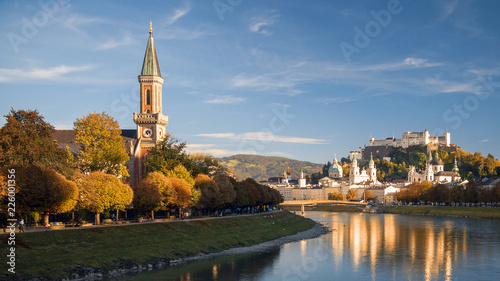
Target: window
x: 148, y: 97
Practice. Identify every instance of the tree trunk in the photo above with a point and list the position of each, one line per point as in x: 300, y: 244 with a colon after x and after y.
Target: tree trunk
x: 97, y: 218
x: 117, y: 213
x: 168, y: 214
x: 152, y: 215
x: 45, y: 219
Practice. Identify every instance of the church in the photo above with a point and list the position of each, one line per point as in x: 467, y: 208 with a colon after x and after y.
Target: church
x: 150, y: 121
x: 434, y: 171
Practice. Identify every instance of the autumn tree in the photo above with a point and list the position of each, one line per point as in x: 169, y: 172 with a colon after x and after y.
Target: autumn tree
x: 180, y: 172
x: 457, y: 194
x: 44, y: 191
x: 100, y: 192
x: 369, y: 196
x: 247, y: 194
x: 154, y: 192
x: 438, y: 193
x: 101, y: 145
x: 338, y: 196
x: 210, y: 192
x: 227, y: 193
x: 26, y: 139
x: 200, y: 163
x: 183, y: 193
x: 352, y: 194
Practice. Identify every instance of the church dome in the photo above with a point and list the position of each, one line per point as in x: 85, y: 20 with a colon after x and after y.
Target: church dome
x: 437, y: 160
x: 335, y: 168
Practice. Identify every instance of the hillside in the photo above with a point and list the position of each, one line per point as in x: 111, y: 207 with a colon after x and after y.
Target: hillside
x: 263, y: 167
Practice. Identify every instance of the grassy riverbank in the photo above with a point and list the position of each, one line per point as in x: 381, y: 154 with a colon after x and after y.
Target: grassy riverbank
x: 476, y: 212
x: 50, y: 253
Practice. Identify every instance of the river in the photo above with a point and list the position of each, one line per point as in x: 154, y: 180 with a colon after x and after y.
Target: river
x: 365, y: 247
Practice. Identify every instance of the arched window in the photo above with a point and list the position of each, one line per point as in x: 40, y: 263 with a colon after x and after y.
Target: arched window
x: 148, y: 97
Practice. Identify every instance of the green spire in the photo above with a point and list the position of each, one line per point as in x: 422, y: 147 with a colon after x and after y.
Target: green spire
x: 371, y: 159
x: 455, y: 167
x: 150, y: 66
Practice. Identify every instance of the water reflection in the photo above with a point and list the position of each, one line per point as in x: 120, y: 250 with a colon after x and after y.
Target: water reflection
x: 229, y: 268
x: 366, y: 247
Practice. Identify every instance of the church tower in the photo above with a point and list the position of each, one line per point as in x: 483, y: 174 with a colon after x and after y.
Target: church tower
x: 150, y: 121
x: 372, y: 171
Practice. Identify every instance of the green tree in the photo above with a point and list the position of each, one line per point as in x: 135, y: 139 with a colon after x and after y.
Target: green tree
x: 101, y: 145
x: 166, y: 155
x: 26, y: 139
x: 44, y: 191
x: 100, y: 192
x: 418, y: 159
x: 200, y: 163
x: 180, y: 172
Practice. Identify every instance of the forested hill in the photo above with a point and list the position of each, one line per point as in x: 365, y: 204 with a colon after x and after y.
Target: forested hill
x: 263, y: 167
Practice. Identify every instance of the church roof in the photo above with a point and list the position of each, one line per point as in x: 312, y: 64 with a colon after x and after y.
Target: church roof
x: 150, y: 65
x: 67, y: 138
x: 446, y: 173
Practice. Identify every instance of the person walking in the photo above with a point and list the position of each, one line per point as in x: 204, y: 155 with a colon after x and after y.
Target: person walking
x: 21, y: 225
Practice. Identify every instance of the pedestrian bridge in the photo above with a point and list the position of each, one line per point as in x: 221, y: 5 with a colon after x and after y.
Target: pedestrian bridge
x: 326, y: 205
x: 310, y: 203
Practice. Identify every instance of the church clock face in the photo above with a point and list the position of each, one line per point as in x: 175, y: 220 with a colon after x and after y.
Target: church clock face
x: 147, y: 132
x: 160, y: 132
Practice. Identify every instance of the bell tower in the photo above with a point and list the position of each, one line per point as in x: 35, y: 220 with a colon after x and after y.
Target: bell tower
x: 150, y: 121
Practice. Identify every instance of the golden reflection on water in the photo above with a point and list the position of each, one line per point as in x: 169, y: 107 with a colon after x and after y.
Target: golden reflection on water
x: 215, y: 272
x: 388, y: 241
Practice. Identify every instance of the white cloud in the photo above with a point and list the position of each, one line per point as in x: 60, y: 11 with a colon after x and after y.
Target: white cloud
x: 179, y: 13
x: 264, y: 137
x: 335, y: 100
x: 485, y: 140
x: 225, y: 100
x: 420, y: 62
x: 260, y: 24
x: 211, y: 149
x: 74, y: 20
x: 112, y: 43
x: 448, y: 9
x: 180, y: 34
x: 12, y: 75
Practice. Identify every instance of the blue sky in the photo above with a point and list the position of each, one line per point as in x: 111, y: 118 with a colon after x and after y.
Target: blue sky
x: 300, y: 79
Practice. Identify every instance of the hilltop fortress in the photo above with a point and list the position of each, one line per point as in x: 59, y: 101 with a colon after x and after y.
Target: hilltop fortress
x: 382, y: 149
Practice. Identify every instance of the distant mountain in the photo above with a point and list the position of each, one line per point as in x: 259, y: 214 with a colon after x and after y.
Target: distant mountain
x: 261, y: 168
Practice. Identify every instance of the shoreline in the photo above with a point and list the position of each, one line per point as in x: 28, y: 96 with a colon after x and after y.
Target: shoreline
x: 124, y: 250
x: 121, y: 273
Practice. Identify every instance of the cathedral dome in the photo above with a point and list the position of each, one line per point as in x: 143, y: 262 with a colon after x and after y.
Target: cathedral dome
x: 335, y: 168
